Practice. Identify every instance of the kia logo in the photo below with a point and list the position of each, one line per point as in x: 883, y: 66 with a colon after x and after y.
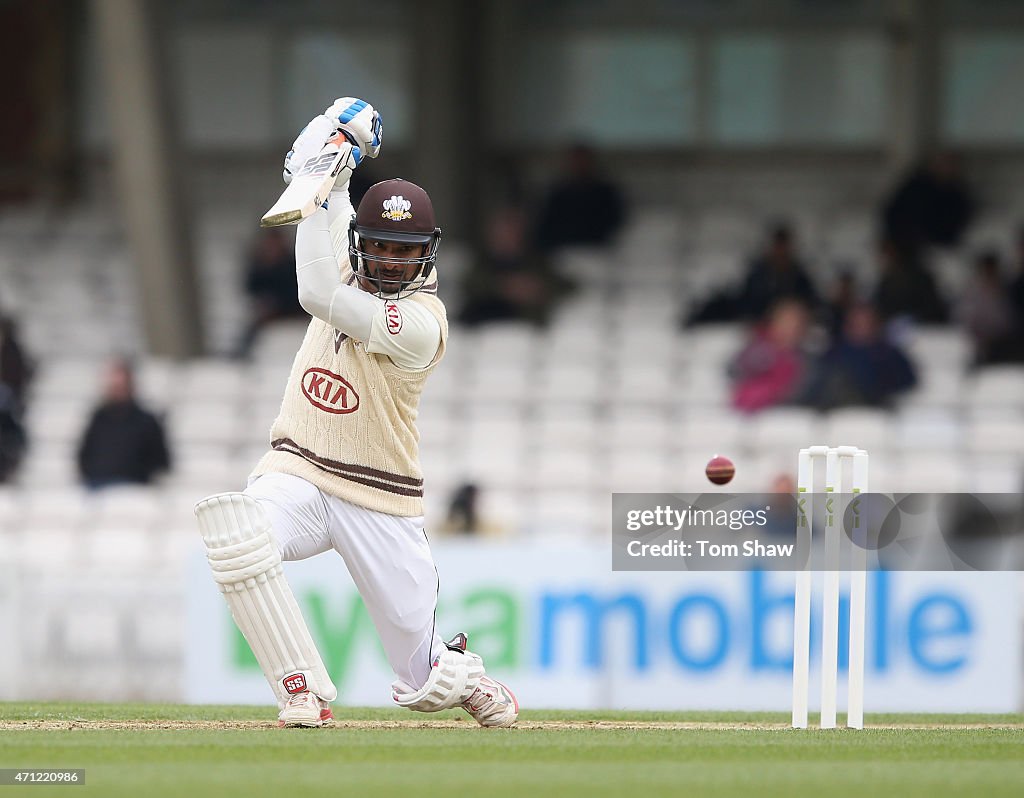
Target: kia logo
x: 393, y: 316
x: 329, y: 392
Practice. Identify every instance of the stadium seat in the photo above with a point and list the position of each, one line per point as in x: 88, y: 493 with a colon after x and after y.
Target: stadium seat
x: 928, y: 429
x: 55, y: 508
x: 559, y: 382
x: 939, y: 386
x: 92, y: 632
x: 205, y: 423
x: 651, y: 433
x: 502, y: 509
x: 157, y: 381
x: 705, y: 385
x: 123, y: 547
x: 996, y: 435
x: 703, y: 436
x: 563, y: 513
x: 48, y: 548
x: 58, y: 421
x: 214, y: 380
x: 643, y: 382
x: 51, y: 463
x: 990, y: 474
x: 591, y: 267
x: 939, y: 347
x: 926, y: 473
x: 279, y: 342
x: 867, y: 428
x: 560, y: 468
x: 997, y: 386
x: 506, y: 342
x: 139, y: 507
x: 632, y: 470
x: 784, y: 427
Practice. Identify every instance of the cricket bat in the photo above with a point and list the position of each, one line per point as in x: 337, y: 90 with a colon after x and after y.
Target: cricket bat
x: 310, y: 185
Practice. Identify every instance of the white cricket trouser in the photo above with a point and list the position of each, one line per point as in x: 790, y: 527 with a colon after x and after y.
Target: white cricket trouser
x: 387, y: 556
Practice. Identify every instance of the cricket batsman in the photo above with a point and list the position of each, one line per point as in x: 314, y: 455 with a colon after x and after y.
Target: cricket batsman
x: 343, y: 470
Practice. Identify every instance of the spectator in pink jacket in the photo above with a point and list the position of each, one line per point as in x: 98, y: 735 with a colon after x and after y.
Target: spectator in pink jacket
x: 770, y: 369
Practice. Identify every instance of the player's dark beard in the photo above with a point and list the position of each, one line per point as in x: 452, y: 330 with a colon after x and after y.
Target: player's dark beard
x: 387, y: 281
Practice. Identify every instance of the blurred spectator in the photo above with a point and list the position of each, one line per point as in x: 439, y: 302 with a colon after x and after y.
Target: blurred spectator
x: 933, y: 204
x: 15, y: 367
x: 986, y: 310
x: 861, y: 367
x: 583, y: 208
x: 770, y: 369
x: 842, y: 295
x: 1016, y: 289
x: 271, y: 285
x: 906, y: 287
x: 511, y: 282
x: 781, y: 516
x: 464, y: 516
x: 721, y: 306
x: 774, y: 275
x: 782, y: 482
x: 123, y: 442
x: 13, y: 440
x: 462, y: 512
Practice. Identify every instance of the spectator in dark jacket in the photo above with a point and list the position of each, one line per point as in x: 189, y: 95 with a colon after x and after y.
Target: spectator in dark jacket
x: 15, y: 374
x: 270, y: 284
x: 775, y: 275
x: 16, y: 368
x: 986, y: 310
x: 1016, y: 288
x: 123, y: 443
x: 583, y: 208
x: 933, y: 205
x: 906, y: 287
x: 12, y: 435
x: 861, y: 367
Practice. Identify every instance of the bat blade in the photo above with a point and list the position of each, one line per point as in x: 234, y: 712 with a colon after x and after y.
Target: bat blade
x: 309, y: 188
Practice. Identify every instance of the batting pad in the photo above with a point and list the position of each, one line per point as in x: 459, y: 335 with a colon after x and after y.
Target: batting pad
x: 452, y: 680
x: 247, y: 566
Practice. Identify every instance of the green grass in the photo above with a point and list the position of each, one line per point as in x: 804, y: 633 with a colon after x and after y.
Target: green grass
x: 469, y: 761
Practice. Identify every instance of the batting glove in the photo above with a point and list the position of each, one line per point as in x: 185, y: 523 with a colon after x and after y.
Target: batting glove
x: 360, y: 121
x: 308, y: 143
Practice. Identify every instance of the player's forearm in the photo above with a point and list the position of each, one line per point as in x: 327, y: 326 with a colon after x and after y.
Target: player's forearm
x: 321, y: 292
x: 339, y: 215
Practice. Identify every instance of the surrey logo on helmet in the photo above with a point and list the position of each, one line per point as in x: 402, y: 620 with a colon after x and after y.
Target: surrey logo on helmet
x: 397, y: 208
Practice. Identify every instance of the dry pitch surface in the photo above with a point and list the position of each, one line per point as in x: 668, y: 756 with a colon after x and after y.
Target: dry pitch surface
x: 220, y: 751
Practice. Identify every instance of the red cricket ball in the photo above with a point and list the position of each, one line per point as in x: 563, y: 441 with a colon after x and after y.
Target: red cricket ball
x: 720, y: 470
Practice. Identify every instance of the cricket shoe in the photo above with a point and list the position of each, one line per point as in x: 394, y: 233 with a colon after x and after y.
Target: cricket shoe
x: 305, y: 710
x: 492, y: 704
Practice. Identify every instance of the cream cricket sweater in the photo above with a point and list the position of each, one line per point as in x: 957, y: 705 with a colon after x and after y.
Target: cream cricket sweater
x: 347, y: 422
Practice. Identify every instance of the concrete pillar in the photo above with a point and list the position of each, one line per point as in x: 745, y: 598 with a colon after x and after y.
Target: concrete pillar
x: 915, y: 112
x: 146, y: 180
x: 450, y: 132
